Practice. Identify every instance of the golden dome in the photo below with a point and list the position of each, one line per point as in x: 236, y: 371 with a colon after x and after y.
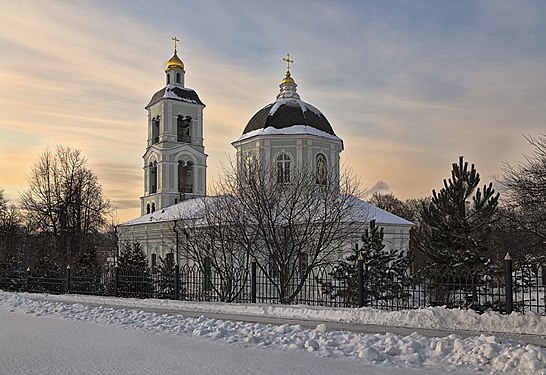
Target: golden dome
x: 175, y: 63
x: 288, y: 80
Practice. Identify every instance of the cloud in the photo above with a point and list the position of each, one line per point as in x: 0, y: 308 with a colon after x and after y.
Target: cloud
x: 379, y: 186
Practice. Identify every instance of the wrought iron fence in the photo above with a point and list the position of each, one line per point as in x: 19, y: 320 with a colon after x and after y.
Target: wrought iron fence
x: 521, y: 288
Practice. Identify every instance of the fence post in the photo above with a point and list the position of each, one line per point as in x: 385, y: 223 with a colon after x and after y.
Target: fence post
x: 253, y: 280
x: 116, y: 280
x: 508, y: 283
x: 176, y: 281
x: 67, y: 280
x: 360, y: 280
x: 27, y: 281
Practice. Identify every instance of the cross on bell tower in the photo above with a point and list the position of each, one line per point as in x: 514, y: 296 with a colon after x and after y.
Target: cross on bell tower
x: 174, y: 39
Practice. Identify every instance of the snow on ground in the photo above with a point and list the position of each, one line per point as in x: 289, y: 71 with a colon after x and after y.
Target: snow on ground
x: 48, y: 345
x: 371, y: 353
x: 430, y: 318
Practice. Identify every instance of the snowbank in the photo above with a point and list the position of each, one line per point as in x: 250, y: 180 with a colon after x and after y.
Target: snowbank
x: 479, y: 353
x: 430, y: 318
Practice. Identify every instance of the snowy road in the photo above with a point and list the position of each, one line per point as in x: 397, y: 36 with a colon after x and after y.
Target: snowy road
x: 47, y: 345
x: 39, y: 335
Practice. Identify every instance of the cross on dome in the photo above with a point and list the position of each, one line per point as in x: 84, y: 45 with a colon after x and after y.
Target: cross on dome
x: 288, y: 85
x: 175, y: 40
x: 288, y: 62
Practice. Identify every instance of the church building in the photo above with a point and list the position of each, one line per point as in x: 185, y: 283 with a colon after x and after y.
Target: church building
x: 285, y: 133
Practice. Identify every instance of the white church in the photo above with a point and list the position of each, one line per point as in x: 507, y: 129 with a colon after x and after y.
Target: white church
x: 284, y: 133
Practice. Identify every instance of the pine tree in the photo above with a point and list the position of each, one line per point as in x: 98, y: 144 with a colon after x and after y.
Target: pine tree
x: 166, y: 271
x: 87, y: 259
x: 11, y: 240
x: 132, y: 257
x: 46, y: 262
x: 385, y: 272
x: 11, y: 268
x: 86, y: 273
x: 454, y: 223
x: 134, y: 275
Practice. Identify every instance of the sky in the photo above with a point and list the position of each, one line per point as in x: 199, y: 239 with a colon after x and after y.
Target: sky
x: 408, y: 85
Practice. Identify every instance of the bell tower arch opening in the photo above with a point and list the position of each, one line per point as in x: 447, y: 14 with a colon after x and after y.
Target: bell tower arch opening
x: 185, y: 177
x: 183, y: 128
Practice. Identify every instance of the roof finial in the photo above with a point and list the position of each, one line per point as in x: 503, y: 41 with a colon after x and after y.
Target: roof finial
x: 288, y: 85
x: 175, y: 40
x: 175, y: 62
x: 288, y: 62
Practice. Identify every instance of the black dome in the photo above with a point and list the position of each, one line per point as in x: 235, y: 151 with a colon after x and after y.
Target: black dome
x: 287, y: 112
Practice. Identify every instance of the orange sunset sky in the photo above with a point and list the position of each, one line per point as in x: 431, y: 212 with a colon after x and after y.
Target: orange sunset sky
x: 408, y: 85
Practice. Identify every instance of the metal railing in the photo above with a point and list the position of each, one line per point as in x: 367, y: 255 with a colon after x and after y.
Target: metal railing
x: 521, y: 288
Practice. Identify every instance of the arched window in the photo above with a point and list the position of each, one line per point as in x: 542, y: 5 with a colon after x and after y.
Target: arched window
x: 153, y: 177
x: 153, y: 207
x: 183, y: 129
x: 321, y: 170
x: 168, y: 78
x: 178, y: 78
x: 148, y: 208
x: 283, y: 168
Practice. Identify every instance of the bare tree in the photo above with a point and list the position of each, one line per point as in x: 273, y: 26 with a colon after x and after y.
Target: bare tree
x: 389, y: 202
x: 11, y: 236
x: 64, y: 201
x: 215, y: 243
x: 291, y: 223
x: 525, y: 193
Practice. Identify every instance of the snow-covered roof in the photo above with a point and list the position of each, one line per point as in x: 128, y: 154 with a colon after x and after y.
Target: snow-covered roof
x: 365, y: 211
x: 291, y: 130
x: 176, y: 92
x: 293, y: 102
x: 195, y: 209
x: 190, y: 209
x: 288, y: 112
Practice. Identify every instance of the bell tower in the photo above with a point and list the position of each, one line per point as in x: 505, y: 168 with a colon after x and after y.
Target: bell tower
x: 174, y: 161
